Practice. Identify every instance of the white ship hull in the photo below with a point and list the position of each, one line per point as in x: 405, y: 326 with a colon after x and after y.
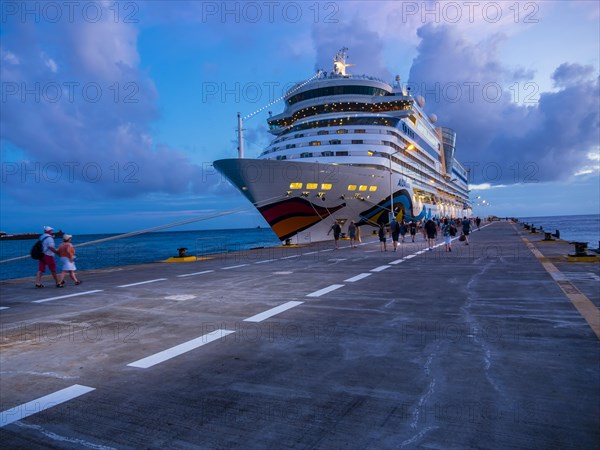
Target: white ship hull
x: 302, y: 200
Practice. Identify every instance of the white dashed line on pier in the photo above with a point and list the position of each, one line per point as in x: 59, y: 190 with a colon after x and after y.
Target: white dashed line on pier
x: 265, y: 261
x: 4, y: 307
x: 195, y: 273
x: 180, y: 349
x: 234, y: 267
x: 273, y: 311
x: 67, y: 296
x: 48, y: 401
x: 410, y: 256
x: 398, y: 261
x: 324, y: 291
x: 358, y: 277
x: 142, y: 282
x: 380, y: 268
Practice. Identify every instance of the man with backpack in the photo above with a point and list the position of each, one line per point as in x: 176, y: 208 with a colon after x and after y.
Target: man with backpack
x: 48, y: 252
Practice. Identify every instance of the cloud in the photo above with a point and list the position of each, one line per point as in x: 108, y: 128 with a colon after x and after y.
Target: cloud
x: 501, y: 140
x: 80, y: 109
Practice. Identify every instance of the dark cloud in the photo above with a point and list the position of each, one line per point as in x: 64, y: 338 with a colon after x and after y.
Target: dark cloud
x: 544, y: 136
x: 79, y: 109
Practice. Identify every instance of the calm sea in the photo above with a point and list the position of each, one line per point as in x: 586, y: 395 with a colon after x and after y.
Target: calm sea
x: 572, y: 228
x: 149, y: 247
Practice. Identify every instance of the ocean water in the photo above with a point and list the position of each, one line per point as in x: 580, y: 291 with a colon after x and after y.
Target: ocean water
x: 585, y: 228
x: 144, y: 248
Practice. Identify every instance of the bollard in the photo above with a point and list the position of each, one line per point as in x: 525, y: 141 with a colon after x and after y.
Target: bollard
x: 288, y: 241
x: 580, y: 248
x: 557, y: 234
x: 548, y: 236
x: 533, y: 230
x: 527, y: 226
x: 182, y: 252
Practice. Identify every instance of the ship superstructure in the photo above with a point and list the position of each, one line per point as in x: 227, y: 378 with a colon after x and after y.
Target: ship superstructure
x: 351, y: 147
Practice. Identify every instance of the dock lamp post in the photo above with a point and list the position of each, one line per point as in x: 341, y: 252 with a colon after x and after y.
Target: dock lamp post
x: 392, y: 214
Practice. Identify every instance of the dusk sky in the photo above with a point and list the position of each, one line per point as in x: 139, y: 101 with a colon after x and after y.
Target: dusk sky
x: 112, y: 112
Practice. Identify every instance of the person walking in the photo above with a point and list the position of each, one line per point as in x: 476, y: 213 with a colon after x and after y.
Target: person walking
x: 431, y: 232
x: 413, y: 229
x: 403, y: 229
x: 337, y: 231
x: 478, y: 222
x: 48, y: 258
x: 382, y: 238
x: 66, y: 252
x: 466, y: 229
x: 352, y: 234
x: 395, y: 229
x: 447, y: 232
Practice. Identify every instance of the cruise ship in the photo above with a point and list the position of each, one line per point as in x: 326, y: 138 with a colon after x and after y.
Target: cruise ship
x: 350, y: 148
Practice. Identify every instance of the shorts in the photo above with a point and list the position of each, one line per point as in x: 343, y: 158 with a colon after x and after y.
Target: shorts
x: 66, y: 264
x: 466, y: 233
x: 382, y: 239
x: 447, y: 239
x: 430, y: 235
x: 395, y: 236
x: 49, y: 261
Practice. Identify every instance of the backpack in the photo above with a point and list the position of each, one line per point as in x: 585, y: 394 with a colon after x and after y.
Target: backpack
x: 37, y: 251
x: 452, y: 230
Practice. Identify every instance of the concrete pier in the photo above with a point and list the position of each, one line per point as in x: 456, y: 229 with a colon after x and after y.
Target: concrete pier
x: 493, y: 345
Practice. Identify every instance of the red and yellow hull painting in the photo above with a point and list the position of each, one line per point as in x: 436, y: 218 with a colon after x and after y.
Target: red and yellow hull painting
x: 293, y: 215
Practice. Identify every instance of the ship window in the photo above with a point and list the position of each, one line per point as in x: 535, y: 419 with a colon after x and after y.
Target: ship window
x: 290, y: 146
x: 326, y: 153
x: 335, y: 142
x: 341, y: 153
x: 322, y: 132
x: 306, y: 155
x: 280, y: 157
x: 313, y: 143
x: 357, y: 141
x: 372, y: 188
x: 298, y: 135
x: 359, y: 131
x: 342, y: 131
x: 326, y: 186
x: 351, y: 187
x: 312, y: 185
x: 362, y: 187
x: 296, y: 185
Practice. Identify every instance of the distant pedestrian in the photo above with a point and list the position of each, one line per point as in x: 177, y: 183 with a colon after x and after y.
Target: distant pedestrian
x: 466, y: 229
x: 66, y: 251
x: 49, y: 250
x: 352, y: 234
x: 448, y: 231
x: 431, y: 231
x: 395, y: 229
x: 382, y: 238
x: 403, y: 229
x: 478, y: 222
x: 337, y: 231
x: 413, y: 229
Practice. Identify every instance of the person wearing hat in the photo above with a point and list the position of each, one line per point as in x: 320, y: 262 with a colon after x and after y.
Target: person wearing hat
x: 66, y: 251
x: 48, y: 258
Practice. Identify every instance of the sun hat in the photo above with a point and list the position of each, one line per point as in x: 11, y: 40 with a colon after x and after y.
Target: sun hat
x: 47, y: 228
x: 67, y: 237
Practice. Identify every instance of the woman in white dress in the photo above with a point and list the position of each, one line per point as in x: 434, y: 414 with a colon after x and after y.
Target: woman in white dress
x: 66, y: 251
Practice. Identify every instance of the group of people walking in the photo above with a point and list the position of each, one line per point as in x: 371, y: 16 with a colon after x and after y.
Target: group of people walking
x: 66, y: 253
x: 399, y: 230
